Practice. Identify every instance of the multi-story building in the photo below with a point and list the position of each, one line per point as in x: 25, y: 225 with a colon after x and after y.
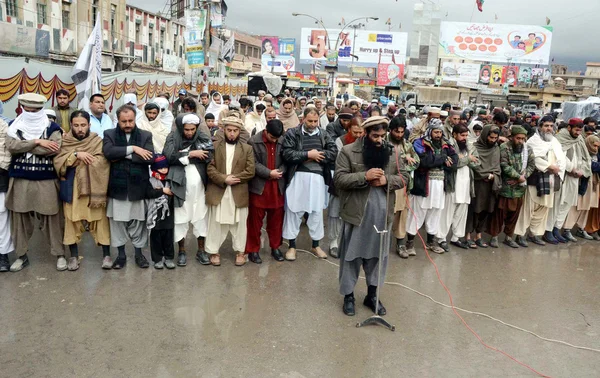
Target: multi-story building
x: 583, y: 83
x: 56, y: 31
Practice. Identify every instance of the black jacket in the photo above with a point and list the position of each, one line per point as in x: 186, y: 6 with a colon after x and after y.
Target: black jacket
x: 262, y: 173
x: 293, y: 155
x: 136, y: 187
x: 335, y: 129
x: 428, y: 161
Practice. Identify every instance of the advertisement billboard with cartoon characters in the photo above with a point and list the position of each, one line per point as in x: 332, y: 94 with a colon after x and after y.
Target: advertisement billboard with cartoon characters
x: 515, y: 44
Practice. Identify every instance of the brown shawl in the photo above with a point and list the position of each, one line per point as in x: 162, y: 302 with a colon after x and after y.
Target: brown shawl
x: 91, y: 180
x: 289, y: 119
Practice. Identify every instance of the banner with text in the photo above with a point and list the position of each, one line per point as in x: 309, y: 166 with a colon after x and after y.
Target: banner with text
x: 369, y: 48
x: 495, y: 42
x: 465, y: 72
x: 287, y: 46
x: 279, y: 64
x: 195, y: 20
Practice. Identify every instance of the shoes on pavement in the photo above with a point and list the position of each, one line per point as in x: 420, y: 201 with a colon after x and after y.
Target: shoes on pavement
x: 333, y: 252
x: 521, y: 241
x: 73, y: 264
x: 317, y: 251
x: 61, y: 263
x: 141, y: 261
x: 159, y: 265
x: 182, y: 259
x: 277, y: 255
x: 569, y: 236
x: 402, y: 251
x: 240, y: 259
x: 549, y: 238
x: 444, y: 245
x: 460, y: 244
x: 370, y: 303
x: 583, y: 234
x: 203, y: 258
x: 537, y: 240
x: 511, y: 243
x: 4, y: 263
x: 558, y: 236
x: 170, y: 264
x: 410, y: 248
x: 107, y: 262
x: 481, y: 244
x: 494, y: 242
x: 215, y: 259
x: 19, y: 264
x: 290, y: 255
x: 119, y: 263
x: 348, y: 306
x: 434, y: 248
x: 255, y: 257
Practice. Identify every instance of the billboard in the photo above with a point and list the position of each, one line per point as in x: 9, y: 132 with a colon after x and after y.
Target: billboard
x: 495, y: 42
x: 369, y: 47
x: 466, y: 72
x: 497, y: 75
x: 510, y: 75
x: 287, y: 46
x: 270, y: 45
x: 194, y: 37
x: 279, y: 64
x: 390, y: 75
x: 485, y: 74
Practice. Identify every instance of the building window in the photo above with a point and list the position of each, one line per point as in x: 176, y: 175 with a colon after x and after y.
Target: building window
x: 65, y: 19
x: 162, y: 40
x: 579, y: 82
x: 150, y: 38
x: 113, y: 18
x: 41, y: 12
x: 11, y: 8
x: 175, y: 44
x: 137, y: 33
x: 94, y: 11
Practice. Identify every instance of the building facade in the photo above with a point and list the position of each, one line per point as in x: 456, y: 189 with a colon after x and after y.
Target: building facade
x: 56, y: 31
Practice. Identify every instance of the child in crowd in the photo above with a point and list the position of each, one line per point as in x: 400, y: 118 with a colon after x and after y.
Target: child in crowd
x: 160, y: 216
x: 212, y: 125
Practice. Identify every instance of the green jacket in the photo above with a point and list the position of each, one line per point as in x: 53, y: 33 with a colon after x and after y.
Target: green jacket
x: 511, y: 165
x: 351, y: 182
x: 403, y: 150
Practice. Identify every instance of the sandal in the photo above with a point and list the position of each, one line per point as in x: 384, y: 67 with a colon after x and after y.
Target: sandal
x: 471, y: 244
x: 481, y: 243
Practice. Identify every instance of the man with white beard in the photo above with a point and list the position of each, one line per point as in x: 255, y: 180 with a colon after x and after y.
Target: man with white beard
x: 550, y: 164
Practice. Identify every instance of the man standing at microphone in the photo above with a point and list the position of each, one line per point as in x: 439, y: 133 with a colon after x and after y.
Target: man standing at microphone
x: 365, y: 179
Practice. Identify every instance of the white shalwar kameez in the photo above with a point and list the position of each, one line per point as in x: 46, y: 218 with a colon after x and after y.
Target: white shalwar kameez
x: 307, y: 193
x: 6, y: 244
x: 427, y: 210
x: 454, y: 214
x: 194, y: 209
x: 225, y: 217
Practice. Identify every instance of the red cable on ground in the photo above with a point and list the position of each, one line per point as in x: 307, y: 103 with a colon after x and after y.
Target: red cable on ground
x: 437, y: 272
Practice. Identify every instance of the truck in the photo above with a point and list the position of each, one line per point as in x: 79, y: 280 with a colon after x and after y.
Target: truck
x: 431, y: 96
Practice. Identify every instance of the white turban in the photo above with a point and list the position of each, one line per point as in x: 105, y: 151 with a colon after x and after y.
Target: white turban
x: 130, y: 98
x: 190, y: 119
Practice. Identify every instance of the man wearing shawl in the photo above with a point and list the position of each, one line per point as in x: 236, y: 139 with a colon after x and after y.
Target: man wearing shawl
x: 6, y: 244
x: 450, y: 122
x: 83, y: 171
x: 339, y: 127
x: 517, y: 164
x: 550, y: 163
x: 255, y: 121
x: 151, y: 122
x: 405, y: 158
x: 189, y: 151
x: 578, y: 164
x: 227, y: 192
x: 166, y: 116
x: 487, y: 183
x: 309, y: 153
x: 287, y: 115
x: 420, y: 128
x: 216, y: 106
x: 329, y: 116
x: 32, y: 193
x: 589, y: 188
x: 459, y: 189
x: 427, y: 197
x: 130, y: 153
x: 366, y: 177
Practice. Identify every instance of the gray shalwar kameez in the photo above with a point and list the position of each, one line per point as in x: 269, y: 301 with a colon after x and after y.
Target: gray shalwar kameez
x: 359, y: 245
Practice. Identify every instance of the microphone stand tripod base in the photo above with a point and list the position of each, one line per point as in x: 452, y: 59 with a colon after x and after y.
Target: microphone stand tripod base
x: 377, y: 320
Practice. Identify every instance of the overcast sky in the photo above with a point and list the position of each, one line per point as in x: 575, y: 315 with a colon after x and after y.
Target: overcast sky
x: 575, y: 21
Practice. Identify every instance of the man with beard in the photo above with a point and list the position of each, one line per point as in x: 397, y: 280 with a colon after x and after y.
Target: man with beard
x: 391, y: 111
x: 63, y: 110
x: 405, y: 159
x: 177, y: 105
x: 339, y: 127
x: 366, y: 178
x: 427, y: 195
x: 487, y: 183
x: 267, y: 191
x: 152, y: 123
x: 517, y: 164
x: 130, y: 152
x: 421, y: 127
x: 328, y: 117
x: 459, y: 190
x: 83, y: 170
x: 189, y: 151
x: 32, y: 193
x: 227, y: 192
x: 334, y: 221
x: 550, y: 163
x: 578, y: 164
x: 309, y: 153
x: 452, y: 120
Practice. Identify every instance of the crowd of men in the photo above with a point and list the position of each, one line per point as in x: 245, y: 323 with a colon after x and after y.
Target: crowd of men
x: 223, y: 166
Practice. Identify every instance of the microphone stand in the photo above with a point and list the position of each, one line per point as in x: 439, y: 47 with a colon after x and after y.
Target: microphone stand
x: 376, y: 319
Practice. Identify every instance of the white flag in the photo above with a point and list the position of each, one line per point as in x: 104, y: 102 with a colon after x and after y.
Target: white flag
x: 87, y: 73
x: 228, y: 50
